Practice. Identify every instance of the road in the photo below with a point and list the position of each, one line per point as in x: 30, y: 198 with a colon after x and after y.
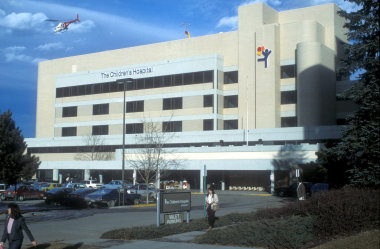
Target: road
x: 70, y: 224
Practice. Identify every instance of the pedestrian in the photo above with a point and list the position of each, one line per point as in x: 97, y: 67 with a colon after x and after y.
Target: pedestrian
x: 212, y: 204
x: 301, y: 191
x: 13, y: 226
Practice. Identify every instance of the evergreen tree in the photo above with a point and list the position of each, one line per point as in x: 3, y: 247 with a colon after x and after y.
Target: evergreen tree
x: 14, y: 164
x: 356, y: 157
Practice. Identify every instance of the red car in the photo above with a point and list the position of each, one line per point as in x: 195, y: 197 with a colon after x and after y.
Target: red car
x: 28, y: 192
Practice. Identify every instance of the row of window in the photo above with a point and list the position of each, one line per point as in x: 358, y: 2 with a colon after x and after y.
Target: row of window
x: 138, y: 106
x: 171, y: 126
x: 136, y: 128
x: 146, y: 83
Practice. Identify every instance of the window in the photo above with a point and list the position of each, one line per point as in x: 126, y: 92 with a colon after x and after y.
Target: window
x: 135, y: 106
x: 142, y: 83
x: 288, y: 97
x: 69, y: 131
x: 208, y: 124
x: 172, y: 126
x: 231, y: 101
x: 100, y: 130
x: 231, y: 77
x: 100, y: 109
x: 288, y: 71
x: 208, y: 76
x: 289, y: 122
x: 230, y: 124
x: 134, y: 128
x: 208, y: 100
x: 172, y: 103
x: 69, y: 111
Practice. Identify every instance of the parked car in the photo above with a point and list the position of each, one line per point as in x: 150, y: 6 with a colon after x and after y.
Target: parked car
x: 76, y: 198
x: 57, y: 195
x: 47, y: 186
x: 117, y: 184
x: 92, y: 184
x: 319, y: 187
x: 9, y: 193
x: 3, y: 187
x: 28, y: 192
x: 74, y: 185
x: 141, y: 189
x: 291, y: 190
x: 110, y: 198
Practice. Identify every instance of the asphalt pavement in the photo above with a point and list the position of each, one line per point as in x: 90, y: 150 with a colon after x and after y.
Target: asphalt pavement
x: 81, y: 227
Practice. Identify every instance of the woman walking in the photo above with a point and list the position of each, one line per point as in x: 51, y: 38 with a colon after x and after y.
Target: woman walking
x: 212, y: 202
x: 13, y: 226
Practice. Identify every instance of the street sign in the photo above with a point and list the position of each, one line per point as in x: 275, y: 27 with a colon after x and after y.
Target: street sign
x: 171, y: 202
x: 174, y: 218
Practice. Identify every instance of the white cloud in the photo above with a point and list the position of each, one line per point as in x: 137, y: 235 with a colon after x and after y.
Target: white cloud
x: 50, y: 46
x: 231, y: 22
x: 22, y: 21
x: 16, y: 54
x: 80, y: 27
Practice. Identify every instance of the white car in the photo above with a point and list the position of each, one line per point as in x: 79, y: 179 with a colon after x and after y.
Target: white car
x: 92, y: 184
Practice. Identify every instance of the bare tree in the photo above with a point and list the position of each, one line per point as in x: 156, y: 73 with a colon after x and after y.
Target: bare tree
x: 95, y: 149
x: 151, y: 159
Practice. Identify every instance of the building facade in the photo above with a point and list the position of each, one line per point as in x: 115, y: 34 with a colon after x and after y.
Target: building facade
x: 238, y: 102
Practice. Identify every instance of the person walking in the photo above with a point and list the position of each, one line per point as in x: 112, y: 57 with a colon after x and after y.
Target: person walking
x: 212, y: 202
x: 13, y: 226
x: 301, y: 191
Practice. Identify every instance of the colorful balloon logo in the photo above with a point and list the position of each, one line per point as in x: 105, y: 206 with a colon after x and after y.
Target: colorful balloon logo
x: 260, y: 50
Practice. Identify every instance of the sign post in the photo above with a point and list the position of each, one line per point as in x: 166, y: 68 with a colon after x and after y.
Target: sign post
x: 204, y: 189
x: 173, y: 204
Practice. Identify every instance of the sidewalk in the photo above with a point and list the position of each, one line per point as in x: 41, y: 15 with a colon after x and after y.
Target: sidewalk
x: 177, y: 241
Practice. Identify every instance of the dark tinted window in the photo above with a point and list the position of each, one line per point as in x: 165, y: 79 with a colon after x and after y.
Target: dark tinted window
x: 288, y: 71
x: 289, y: 97
x: 230, y: 124
x: 142, y: 83
x: 208, y: 100
x: 69, y: 131
x: 100, y: 109
x: 135, y: 106
x: 208, y: 124
x: 69, y: 111
x: 231, y: 77
x: 289, y: 122
x: 172, y: 126
x: 172, y: 103
x: 134, y: 128
x: 231, y: 101
x: 100, y: 130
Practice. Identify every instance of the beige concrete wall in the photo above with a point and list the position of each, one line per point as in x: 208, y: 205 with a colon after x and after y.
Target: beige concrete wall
x: 192, y: 125
x: 316, y: 94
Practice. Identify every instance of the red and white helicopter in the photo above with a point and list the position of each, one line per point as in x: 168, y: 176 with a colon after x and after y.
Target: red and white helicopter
x: 63, y: 26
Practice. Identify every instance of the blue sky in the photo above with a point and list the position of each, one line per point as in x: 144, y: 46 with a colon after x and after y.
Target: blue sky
x: 26, y: 38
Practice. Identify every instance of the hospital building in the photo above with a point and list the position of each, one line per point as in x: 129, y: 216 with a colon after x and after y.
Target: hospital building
x: 248, y: 105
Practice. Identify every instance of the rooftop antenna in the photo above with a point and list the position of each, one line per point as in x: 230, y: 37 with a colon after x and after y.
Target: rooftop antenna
x: 186, y: 26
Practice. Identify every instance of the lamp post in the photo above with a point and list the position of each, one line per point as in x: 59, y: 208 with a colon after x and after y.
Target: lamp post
x: 124, y: 82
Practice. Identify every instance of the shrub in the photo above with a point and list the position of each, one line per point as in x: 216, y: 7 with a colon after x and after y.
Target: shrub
x: 287, y: 232
x: 338, y: 212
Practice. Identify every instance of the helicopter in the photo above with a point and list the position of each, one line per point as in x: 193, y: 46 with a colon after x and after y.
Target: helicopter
x: 63, y: 26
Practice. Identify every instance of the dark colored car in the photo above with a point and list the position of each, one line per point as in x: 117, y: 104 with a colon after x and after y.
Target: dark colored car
x: 291, y: 190
x: 28, y: 192
x: 110, y: 198
x: 319, y: 187
x: 57, y: 195
x: 76, y: 198
x: 141, y: 189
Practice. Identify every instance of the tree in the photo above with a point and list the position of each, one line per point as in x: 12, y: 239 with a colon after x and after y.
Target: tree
x: 95, y: 149
x: 358, y: 153
x: 151, y: 159
x: 14, y: 163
